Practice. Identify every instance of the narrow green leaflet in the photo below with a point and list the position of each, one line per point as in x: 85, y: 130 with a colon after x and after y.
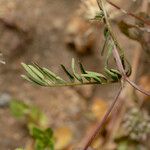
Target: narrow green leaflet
x: 53, y: 77
x: 77, y: 76
x: 45, y: 77
x: 36, y: 71
x: 116, y: 72
x: 71, y: 77
x: 26, y: 78
x: 95, y: 76
x: 113, y: 74
x: 83, y: 71
x: 92, y: 77
x: 33, y: 76
x: 110, y: 48
x: 126, y: 66
x: 106, y: 35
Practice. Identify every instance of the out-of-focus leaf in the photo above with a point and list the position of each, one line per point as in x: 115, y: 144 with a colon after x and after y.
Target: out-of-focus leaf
x: 129, y: 30
x: 39, y: 145
x: 43, y: 139
x: 37, y: 133
x: 32, y: 114
x: 122, y: 145
x: 18, y: 109
x: 99, y: 16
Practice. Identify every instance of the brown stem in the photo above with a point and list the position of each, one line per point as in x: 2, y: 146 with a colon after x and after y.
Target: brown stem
x: 129, y: 13
x: 136, y: 87
x: 102, y: 122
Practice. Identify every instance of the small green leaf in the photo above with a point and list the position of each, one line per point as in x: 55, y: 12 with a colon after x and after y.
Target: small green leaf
x: 122, y: 145
x: 110, y: 48
x: 89, y: 75
x: 126, y: 66
x: 97, y: 74
x: 48, y: 132
x: 106, y: 35
x: 71, y: 77
x: 83, y: 71
x: 30, y: 72
x: 111, y: 74
x: 18, y: 108
x: 106, y: 32
x: 99, y: 15
x: 26, y: 78
x: 78, y: 77
x: 116, y: 72
x: 36, y: 71
x: 33, y: 76
x: 53, y: 77
x: 37, y: 133
x: 39, y: 145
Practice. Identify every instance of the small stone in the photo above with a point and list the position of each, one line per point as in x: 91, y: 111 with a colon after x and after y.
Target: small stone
x: 4, y: 99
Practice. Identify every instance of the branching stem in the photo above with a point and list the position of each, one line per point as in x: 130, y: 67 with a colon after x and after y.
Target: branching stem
x: 121, y: 69
x: 129, y: 13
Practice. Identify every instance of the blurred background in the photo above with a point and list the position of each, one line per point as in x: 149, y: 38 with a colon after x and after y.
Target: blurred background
x: 52, y: 32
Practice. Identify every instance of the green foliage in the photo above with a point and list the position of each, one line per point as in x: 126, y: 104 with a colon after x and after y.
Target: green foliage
x: 18, y: 108
x: 35, y: 121
x: 32, y: 115
x: 43, y: 139
x: 45, y: 77
x: 98, y: 16
x: 125, y: 144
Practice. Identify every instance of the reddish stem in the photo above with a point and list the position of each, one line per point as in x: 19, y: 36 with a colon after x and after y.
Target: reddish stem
x: 102, y: 122
x: 129, y: 13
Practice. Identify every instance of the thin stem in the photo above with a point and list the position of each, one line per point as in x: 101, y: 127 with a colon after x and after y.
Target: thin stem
x: 101, y: 6
x: 115, y: 52
x: 129, y: 13
x: 120, y: 67
x: 137, y: 87
x: 102, y: 122
x: 79, y: 83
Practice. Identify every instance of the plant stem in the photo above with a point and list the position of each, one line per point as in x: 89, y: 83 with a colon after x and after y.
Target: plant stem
x: 120, y: 67
x: 115, y: 52
x: 79, y: 83
x: 101, y: 6
x: 129, y: 13
x: 102, y: 122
